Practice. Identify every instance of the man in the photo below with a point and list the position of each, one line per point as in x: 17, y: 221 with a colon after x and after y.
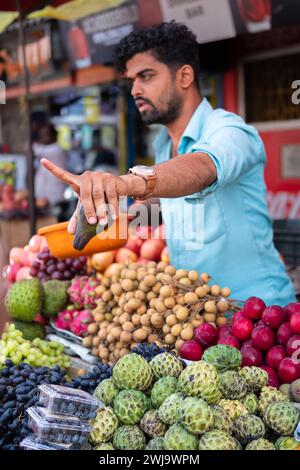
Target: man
x: 47, y: 186
x: 208, y: 161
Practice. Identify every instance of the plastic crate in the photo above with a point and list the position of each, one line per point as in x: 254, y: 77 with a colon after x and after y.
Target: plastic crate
x: 287, y: 240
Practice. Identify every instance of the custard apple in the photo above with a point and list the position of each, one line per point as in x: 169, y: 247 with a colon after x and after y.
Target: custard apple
x: 248, y: 428
x: 24, y: 299
x: 177, y: 438
x: 103, y: 426
x: 251, y: 403
x: 233, y: 408
x: 223, y: 357
x: 221, y: 420
x: 286, y: 443
x: 168, y: 411
x: 130, y: 405
x: 166, y: 364
x: 129, y: 438
x: 218, y: 440
x: 152, y: 425
x: 195, y: 415
x: 282, y: 417
x: 269, y: 395
x: 162, y: 389
x: 157, y: 443
x: 106, y: 391
x: 254, y: 377
x: 233, y: 386
x: 132, y: 371
x: 105, y: 446
x: 260, y: 444
x: 201, y: 380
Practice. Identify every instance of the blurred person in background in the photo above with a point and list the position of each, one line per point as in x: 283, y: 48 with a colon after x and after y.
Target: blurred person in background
x: 46, y: 185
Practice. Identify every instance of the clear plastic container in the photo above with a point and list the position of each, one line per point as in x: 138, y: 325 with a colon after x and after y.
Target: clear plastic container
x: 54, y: 428
x: 34, y: 443
x: 67, y: 401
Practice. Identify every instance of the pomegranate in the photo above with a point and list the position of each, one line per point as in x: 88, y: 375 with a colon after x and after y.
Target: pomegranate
x: 292, y: 308
x: 238, y: 315
x: 284, y: 333
x: 254, y: 308
x: 151, y: 249
x: 273, y: 316
x: 206, y: 334
x: 251, y: 357
x: 263, y: 338
x: 288, y: 370
x: 191, y: 350
x: 273, y: 377
x: 229, y: 340
x: 275, y: 356
x: 242, y: 328
x: 293, y: 346
x: 295, y: 323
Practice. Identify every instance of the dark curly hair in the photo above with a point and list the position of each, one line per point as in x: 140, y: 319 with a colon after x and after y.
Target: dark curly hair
x: 173, y: 44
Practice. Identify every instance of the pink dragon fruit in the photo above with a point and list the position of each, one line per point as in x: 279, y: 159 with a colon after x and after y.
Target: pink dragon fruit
x: 64, y: 319
x: 80, y: 322
x: 82, y: 292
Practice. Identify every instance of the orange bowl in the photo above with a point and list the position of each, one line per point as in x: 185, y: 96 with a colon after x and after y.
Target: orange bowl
x: 60, y: 242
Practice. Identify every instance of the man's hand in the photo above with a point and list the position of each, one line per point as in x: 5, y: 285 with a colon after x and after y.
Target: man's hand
x: 96, y: 191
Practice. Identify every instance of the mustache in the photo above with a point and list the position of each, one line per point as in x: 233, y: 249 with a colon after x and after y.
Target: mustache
x: 143, y: 100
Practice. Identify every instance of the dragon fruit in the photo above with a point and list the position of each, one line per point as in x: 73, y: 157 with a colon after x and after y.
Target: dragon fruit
x: 80, y: 322
x: 82, y: 292
x: 64, y: 319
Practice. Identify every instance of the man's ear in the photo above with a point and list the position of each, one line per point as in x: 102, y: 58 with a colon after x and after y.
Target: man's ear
x: 185, y: 76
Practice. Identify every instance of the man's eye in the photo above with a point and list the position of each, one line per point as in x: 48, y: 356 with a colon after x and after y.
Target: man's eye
x: 147, y: 77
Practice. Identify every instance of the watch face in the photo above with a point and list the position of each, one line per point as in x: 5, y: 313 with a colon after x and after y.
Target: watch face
x: 144, y: 170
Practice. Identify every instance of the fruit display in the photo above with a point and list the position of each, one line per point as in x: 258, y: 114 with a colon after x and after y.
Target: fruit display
x: 266, y: 337
x: 193, y: 409
x: 36, y: 353
x: 152, y: 303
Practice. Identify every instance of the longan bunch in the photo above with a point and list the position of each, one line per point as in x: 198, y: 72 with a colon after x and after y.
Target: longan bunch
x: 154, y: 303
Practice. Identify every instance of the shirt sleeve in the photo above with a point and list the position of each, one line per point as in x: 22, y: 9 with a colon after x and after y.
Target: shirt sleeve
x: 234, y: 149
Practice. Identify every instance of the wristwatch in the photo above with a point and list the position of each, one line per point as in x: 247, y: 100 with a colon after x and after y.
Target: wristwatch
x: 149, y: 175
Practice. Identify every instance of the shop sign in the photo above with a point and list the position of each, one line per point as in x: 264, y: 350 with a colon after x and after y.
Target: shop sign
x: 210, y: 20
x: 284, y: 205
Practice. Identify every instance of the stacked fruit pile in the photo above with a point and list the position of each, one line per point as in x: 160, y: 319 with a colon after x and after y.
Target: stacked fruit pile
x: 36, y: 353
x: 213, y: 404
x: 154, y: 303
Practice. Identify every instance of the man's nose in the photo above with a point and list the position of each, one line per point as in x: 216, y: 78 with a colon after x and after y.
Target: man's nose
x: 136, y: 89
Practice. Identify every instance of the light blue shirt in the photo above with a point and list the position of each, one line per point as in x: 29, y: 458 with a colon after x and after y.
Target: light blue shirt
x: 225, y: 230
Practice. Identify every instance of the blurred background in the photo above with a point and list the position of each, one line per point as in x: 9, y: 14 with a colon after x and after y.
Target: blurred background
x: 61, y: 97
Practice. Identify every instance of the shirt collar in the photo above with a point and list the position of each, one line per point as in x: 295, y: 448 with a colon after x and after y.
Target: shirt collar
x: 192, y: 131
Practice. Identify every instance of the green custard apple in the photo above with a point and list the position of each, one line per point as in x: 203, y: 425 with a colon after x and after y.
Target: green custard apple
x: 24, y: 299
x: 129, y: 438
x: 233, y: 386
x: 130, y: 405
x: 251, y: 403
x: 166, y: 364
x: 30, y: 330
x: 260, y: 444
x: 286, y: 443
x: 103, y: 426
x: 269, y: 395
x: 282, y: 417
x: 162, y: 389
x: 168, y: 411
x: 218, y: 440
x: 195, y: 415
x: 132, y: 371
x: 233, y: 408
x: 55, y: 297
x: 151, y: 424
x: 104, y: 446
x: 255, y: 377
x: 178, y: 438
x: 223, y: 357
x: 157, y: 443
x: 201, y: 380
x: 248, y: 428
x: 221, y: 420
x: 106, y: 391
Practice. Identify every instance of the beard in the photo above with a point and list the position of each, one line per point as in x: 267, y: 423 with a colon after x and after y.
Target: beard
x: 167, y: 111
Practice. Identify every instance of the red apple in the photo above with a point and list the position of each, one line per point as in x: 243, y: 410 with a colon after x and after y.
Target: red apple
x: 134, y: 244
x: 242, y: 328
x: 223, y: 331
x: 254, y: 308
x: 206, y: 334
x: 259, y: 324
x: 123, y: 254
x: 263, y: 338
x: 293, y: 347
x: 288, y: 370
x: 273, y: 316
x: 295, y: 323
x: 292, y: 308
x: 284, y: 333
x: 191, y: 350
x: 251, y: 357
x: 275, y: 356
x: 151, y: 249
x: 15, y: 255
x: 229, y: 341
x: 273, y: 377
